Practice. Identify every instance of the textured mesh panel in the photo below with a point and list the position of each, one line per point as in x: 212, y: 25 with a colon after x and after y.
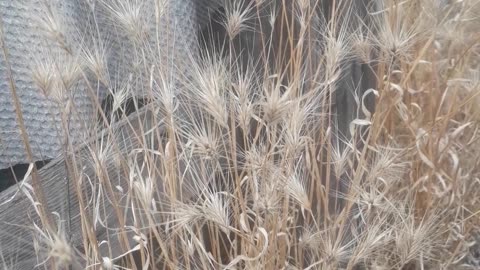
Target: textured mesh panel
x: 26, y: 45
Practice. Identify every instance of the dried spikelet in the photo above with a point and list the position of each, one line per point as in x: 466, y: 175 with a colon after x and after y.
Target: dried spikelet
x: 372, y: 241
x: 184, y: 216
x: 102, y: 153
x: 164, y: 92
x: 296, y: 187
x: 276, y: 103
x: 54, y: 245
x: 161, y: 7
x: 119, y: 95
x: 205, y: 141
x: 70, y: 73
x: 237, y: 16
x: 107, y: 263
x: 44, y: 76
x: 207, y: 89
x: 304, y: 5
x: 297, y: 190
x: 212, y: 207
x: 268, y: 192
x: 333, y: 248
x: 300, y: 125
x: 471, y: 81
x: 370, y: 202
x: 243, y: 96
x: 341, y: 157
x: 57, y: 76
x: 309, y: 238
x: 216, y: 209
x: 254, y: 133
x: 257, y: 159
x: 362, y: 44
x: 387, y: 166
x: 130, y: 15
x: 95, y: 59
x: 397, y: 37
x: 52, y: 25
x: 144, y: 190
x: 417, y: 240
x: 336, y: 49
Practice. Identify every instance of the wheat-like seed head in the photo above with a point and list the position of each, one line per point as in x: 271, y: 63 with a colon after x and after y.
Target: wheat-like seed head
x: 250, y: 171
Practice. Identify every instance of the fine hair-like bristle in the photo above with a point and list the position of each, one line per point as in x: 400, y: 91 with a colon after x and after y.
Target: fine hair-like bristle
x: 312, y: 134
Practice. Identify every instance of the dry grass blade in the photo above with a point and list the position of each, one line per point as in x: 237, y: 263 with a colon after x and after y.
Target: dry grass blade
x: 312, y: 134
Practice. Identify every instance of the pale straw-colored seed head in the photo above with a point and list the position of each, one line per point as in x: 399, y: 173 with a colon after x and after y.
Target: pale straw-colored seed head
x: 237, y: 18
x: 130, y: 15
x: 95, y: 60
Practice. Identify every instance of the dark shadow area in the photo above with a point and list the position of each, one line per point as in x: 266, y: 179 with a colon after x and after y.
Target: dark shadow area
x: 10, y: 176
x: 128, y: 107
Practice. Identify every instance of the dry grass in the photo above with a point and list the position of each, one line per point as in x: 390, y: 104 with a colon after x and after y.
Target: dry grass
x: 252, y: 170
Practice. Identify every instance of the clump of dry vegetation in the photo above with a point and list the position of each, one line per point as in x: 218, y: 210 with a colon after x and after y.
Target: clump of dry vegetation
x: 247, y: 161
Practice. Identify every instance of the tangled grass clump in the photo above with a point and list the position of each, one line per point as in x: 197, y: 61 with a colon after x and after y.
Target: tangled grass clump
x: 269, y: 154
